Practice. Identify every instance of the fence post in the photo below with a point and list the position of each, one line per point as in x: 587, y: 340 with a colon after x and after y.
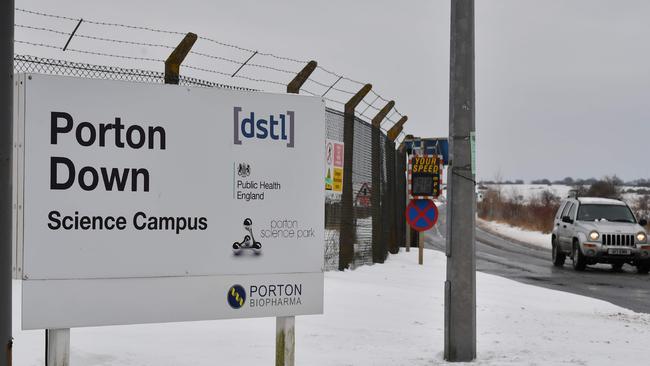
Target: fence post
x: 397, y: 128
x: 400, y: 197
x: 378, y: 239
x: 6, y: 179
x: 348, y: 233
x: 391, y: 197
x: 294, y: 86
x: 175, y: 59
x: 401, y: 231
x: 401, y: 190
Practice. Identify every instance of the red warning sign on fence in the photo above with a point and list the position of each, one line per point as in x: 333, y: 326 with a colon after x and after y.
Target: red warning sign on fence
x: 363, y: 196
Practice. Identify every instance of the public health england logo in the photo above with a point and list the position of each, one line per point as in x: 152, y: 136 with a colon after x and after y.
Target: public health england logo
x: 236, y: 297
x: 244, y: 170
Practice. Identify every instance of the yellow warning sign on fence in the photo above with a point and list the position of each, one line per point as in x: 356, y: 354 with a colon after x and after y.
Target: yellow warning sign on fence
x: 328, y: 180
x: 337, y: 186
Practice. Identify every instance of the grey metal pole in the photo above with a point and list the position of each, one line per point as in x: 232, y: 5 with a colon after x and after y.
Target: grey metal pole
x: 6, y: 148
x: 460, y: 287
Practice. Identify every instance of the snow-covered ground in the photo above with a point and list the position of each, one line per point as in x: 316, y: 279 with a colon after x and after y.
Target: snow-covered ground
x: 518, y: 234
x: 390, y: 314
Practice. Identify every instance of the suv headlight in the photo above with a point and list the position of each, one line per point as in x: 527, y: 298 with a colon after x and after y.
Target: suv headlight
x: 641, y: 237
x: 593, y: 236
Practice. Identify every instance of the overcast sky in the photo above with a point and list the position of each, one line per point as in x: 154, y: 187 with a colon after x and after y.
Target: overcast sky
x: 563, y: 86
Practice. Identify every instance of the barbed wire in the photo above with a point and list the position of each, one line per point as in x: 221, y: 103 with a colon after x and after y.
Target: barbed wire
x: 244, y: 49
x: 370, y: 105
x: 220, y: 43
x: 45, y: 14
x: 154, y: 60
x: 89, y: 52
x: 145, y: 44
x: 98, y: 22
x: 153, y: 45
x: 50, y: 30
x: 340, y: 76
x: 326, y: 98
x: 329, y: 87
x: 236, y: 76
x: 318, y: 83
x: 221, y: 58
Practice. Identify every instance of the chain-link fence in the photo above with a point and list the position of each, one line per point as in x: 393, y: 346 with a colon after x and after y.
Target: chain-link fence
x: 378, y: 223
x: 24, y: 63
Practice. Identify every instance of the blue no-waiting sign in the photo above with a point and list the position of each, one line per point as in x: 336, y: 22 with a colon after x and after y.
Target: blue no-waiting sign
x: 421, y: 214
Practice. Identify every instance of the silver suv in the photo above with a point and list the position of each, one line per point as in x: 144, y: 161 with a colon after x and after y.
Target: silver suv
x: 599, y: 230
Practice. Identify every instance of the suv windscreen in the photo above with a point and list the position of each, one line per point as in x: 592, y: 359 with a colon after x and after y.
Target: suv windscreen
x: 615, y: 213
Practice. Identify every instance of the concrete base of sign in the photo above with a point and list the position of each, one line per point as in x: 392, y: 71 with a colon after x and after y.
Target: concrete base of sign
x: 57, y: 347
x: 285, y: 341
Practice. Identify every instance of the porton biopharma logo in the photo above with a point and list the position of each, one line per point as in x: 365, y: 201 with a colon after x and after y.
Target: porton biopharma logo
x: 278, y: 127
x: 236, y: 296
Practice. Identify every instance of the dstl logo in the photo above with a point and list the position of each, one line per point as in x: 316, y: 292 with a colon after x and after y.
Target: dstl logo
x: 274, y: 127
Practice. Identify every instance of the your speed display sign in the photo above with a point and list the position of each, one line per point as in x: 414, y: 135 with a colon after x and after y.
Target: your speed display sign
x: 424, y: 176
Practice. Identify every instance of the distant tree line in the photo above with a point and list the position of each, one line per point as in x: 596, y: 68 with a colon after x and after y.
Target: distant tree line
x: 518, y: 181
x: 569, y: 181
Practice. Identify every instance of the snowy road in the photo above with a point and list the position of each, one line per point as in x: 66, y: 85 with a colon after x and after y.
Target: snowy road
x: 501, y: 257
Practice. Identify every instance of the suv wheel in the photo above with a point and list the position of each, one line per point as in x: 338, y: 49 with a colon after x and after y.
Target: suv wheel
x: 579, y: 262
x: 643, y: 268
x: 557, y: 255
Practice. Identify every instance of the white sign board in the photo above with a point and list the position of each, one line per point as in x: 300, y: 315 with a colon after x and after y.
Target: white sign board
x: 157, y: 203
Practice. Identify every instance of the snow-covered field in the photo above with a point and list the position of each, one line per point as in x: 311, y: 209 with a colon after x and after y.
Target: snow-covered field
x: 528, y: 191
x: 518, y: 234
x: 390, y: 314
